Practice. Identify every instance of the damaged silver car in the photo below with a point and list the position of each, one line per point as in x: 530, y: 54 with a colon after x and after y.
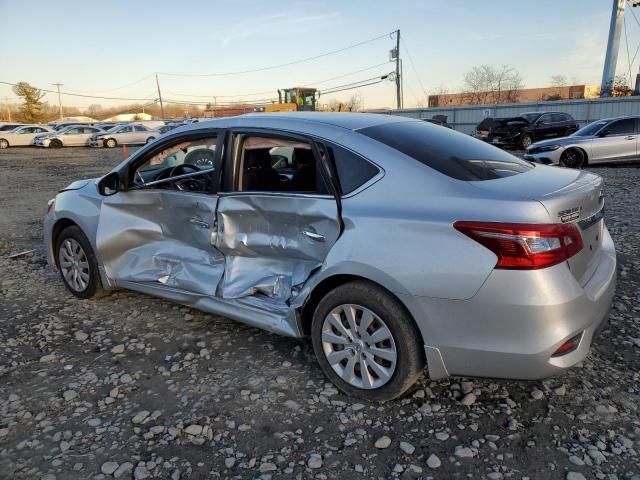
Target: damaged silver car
x: 392, y: 243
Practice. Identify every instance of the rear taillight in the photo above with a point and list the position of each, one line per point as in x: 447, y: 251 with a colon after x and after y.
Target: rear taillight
x: 525, y: 246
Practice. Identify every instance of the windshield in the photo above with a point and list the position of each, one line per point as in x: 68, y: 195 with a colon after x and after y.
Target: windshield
x: 590, y: 129
x: 530, y: 117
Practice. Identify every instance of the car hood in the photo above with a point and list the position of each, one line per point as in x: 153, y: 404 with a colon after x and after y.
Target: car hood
x: 562, y: 141
x: 78, y: 184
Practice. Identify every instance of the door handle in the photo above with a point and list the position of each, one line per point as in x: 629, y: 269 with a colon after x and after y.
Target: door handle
x: 316, y: 237
x: 630, y: 137
x: 197, y: 221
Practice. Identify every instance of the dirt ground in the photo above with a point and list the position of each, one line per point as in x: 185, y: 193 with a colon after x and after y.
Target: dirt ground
x: 129, y: 386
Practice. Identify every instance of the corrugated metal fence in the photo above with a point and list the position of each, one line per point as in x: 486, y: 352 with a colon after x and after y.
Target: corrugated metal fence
x: 464, y: 119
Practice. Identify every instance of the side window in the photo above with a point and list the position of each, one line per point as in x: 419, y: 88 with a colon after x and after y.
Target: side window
x: 73, y: 131
x: 353, y: 170
x: 140, y: 128
x: 124, y: 130
x: 567, y: 118
x: 557, y: 117
x: 626, y: 126
x: 277, y: 164
x: 190, y: 160
x: 546, y: 118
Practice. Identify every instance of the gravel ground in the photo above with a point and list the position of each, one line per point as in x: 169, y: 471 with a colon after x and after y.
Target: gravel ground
x: 133, y: 387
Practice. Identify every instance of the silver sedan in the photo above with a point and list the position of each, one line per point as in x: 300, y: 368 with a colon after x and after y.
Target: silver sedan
x: 131, y: 134
x: 608, y: 140
x: 392, y: 243
x: 22, y: 136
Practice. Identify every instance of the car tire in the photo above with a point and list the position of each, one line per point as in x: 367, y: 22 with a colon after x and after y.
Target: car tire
x: 525, y: 141
x: 150, y: 139
x: 77, y: 263
x: 573, y: 158
x: 110, y: 143
x: 55, y: 143
x: 402, y: 359
x: 4, y: 143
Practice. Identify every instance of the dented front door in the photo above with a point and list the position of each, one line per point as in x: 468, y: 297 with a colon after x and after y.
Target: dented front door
x: 161, y: 238
x: 273, y: 242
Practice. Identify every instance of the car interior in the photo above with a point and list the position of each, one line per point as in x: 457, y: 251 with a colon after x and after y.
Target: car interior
x: 186, y: 166
x: 278, y: 165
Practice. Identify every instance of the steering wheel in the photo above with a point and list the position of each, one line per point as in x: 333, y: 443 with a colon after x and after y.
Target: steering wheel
x: 188, y: 184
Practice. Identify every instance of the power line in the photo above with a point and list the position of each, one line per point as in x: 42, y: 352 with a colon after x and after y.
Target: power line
x: 118, y: 88
x: 81, y: 95
x: 272, y: 90
x: 413, y: 66
x: 280, y: 65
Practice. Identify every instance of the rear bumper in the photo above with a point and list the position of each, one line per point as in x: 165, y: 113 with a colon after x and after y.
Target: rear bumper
x: 518, y: 319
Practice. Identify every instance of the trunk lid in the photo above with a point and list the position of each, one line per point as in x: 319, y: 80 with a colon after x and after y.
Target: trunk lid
x: 570, y: 196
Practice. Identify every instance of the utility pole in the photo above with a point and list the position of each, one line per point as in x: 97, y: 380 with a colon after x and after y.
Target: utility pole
x: 160, y: 97
x: 613, y: 44
x: 59, y: 98
x: 398, y: 93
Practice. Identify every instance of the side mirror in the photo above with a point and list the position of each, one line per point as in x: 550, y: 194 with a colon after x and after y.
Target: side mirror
x: 109, y: 185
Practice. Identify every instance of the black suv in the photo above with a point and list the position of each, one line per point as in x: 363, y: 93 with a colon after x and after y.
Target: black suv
x: 527, y: 128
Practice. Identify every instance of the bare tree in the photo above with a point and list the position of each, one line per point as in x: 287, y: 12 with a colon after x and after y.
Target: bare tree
x: 94, y: 110
x: 31, y: 109
x: 488, y: 84
x: 619, y: 87
x: 355, y: 102
x: 560, y: 82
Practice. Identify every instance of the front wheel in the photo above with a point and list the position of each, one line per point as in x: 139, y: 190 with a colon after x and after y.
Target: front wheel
x: 110, y: 143
x: 366, y: 343
x: 55, y: 143
x: 149, y: 140
x: 573, y: 158
x: 77, y: 263
x: 3, y: 144
x: 525, y: 141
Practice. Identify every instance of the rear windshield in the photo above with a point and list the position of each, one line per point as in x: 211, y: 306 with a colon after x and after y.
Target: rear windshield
x: 452, y: 153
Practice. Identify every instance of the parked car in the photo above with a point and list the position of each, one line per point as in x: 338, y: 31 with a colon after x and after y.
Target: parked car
x: 394, y: 244
x: 132, y: 134
x: 21, y: 136
x: 439, y: 120
x: 70, y: 136
x: 166, y: 128
x: 527, y: 128
x: 7, y: 127
x: 611, y: 139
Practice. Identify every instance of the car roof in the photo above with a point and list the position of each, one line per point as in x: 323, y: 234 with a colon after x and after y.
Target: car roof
x: 346, y: 120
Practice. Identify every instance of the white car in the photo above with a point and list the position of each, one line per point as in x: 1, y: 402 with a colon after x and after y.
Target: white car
x: 21, y: 136
x: 71, y: 136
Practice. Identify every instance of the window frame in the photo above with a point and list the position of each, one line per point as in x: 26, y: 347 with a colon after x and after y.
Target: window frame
x: 365, y: 185
x: 127, y: 170
x: 230, y: 184
x: 608, y: 127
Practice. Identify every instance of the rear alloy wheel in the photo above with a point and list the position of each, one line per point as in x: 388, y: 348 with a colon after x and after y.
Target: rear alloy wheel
x: 149, y: 140
x: 77, y: 263
x: 525, y: 141
x: 55, y: 143
x: 573, y: 158
x: 110, y: 143
x: 3, y: 144
x: 366, y: 343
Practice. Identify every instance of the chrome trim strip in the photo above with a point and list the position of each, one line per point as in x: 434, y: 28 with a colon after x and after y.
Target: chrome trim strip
x: 593, y: 219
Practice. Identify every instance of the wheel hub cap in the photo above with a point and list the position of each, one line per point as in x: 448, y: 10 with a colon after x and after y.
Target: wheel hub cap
x: 74, y: 265
x: 359, y: 346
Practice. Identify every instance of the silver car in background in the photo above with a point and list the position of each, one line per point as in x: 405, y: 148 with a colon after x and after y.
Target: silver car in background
x: 392, y: 243
x: 70, y: 136
x: 607, y: 140
x: 22, y: 136
x: 130, y: 134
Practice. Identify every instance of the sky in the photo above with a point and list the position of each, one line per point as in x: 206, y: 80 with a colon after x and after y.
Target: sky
x: 114, y: 48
